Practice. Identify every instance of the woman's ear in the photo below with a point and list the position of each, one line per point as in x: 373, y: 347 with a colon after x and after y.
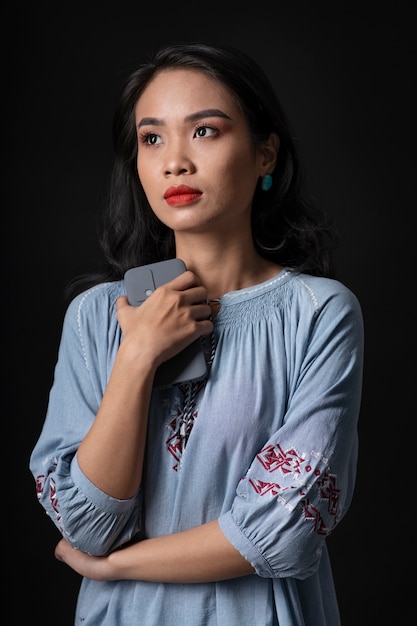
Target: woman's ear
x: 269, y: 152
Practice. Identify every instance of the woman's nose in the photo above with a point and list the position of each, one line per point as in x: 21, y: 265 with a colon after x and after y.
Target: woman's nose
x: 178, y: 160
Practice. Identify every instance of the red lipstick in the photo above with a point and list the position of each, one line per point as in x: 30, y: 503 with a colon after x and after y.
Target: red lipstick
x: 182, y: 195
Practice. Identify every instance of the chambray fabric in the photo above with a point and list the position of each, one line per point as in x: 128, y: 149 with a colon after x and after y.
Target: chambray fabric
x: 272, y: 455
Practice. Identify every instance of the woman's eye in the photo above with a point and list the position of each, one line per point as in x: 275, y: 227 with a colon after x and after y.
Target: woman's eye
x: 153, y: 139
x: 150, y: 139
x: 205, y: 131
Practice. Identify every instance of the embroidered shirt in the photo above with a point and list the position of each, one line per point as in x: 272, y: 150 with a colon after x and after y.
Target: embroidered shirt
x: 272, y: 455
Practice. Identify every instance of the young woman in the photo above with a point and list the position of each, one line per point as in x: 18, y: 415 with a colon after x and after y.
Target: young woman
x: 205, y: 502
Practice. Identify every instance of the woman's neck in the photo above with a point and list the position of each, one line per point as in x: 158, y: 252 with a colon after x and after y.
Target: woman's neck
x: 223, y: 270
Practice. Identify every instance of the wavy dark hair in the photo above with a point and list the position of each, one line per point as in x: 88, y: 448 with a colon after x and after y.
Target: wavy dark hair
x: 287, y: 226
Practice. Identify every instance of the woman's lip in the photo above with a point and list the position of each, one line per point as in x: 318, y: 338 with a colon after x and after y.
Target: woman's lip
x: 181, y: 199
x: 181, y: 190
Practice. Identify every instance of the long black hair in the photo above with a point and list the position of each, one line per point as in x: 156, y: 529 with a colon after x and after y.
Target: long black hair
x: 287, y: 227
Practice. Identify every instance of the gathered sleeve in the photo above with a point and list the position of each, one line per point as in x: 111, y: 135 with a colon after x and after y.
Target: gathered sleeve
x: 301, y: 482
x: 89, y: 519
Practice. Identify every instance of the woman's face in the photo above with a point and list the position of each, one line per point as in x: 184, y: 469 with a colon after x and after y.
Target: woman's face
x: 196, y: 162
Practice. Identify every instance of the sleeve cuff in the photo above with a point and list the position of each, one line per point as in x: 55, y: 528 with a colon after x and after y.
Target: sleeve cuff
x: 246, y: 548
x: 97, y: 497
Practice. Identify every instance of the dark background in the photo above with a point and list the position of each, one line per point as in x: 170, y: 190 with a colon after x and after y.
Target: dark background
x: 346, y: 78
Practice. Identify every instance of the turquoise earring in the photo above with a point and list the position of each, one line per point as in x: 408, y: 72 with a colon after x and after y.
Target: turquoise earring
x: 266, y: 182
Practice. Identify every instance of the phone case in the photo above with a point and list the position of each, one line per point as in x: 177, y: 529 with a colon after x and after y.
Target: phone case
x: 188, y: 365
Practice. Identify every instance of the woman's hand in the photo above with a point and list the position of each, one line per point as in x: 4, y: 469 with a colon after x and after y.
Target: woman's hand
x: 94, y: 567
x: 173, y: 316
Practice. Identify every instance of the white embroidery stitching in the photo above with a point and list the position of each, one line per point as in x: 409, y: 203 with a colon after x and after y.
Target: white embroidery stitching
x: 88, y: 293
x: 311, y: 292
x: 258, y: 288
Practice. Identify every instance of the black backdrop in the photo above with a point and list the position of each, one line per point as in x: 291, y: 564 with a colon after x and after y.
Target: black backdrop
x: 346, y: 77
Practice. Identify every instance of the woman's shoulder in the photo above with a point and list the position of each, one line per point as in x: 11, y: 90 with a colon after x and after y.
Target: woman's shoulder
x: 322, y: 291
x: 97, y: 300
x: 322, y: 284
x: 289, y: 286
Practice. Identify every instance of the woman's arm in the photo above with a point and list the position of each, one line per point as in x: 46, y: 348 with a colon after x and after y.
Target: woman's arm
x: 111, y: 454
x: 201, y: 554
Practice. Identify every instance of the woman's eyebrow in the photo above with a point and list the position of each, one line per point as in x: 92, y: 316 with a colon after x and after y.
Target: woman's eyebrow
x: 206, y: 113
x: 193, y: 117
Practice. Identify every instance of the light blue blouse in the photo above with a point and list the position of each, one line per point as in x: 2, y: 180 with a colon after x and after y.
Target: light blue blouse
x: 272, y: 454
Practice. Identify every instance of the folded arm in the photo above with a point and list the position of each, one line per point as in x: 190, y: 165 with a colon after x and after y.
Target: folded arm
x: 201, y: 554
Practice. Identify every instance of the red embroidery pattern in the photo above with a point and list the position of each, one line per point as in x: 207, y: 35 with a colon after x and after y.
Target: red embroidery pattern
x: 329, y: 491
x: 274, y: 458
x: 312, y: 513
x: 40, y: 488
x: 53, y: 499
x: 174, y: 442
x: 289, y: 462
x: 40, y: 485
x: 183, y: 423
x: 262, y: 487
